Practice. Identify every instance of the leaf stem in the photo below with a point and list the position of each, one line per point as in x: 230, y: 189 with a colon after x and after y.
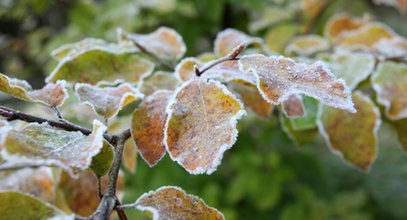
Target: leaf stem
x: 153, y: 56
x: 231, y: 56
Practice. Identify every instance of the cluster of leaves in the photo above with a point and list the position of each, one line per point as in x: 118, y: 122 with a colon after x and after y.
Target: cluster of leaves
x: 191, y: 111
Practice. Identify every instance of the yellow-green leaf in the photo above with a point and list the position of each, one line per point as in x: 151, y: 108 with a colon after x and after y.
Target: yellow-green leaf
x: 352, y: 136
x: 159, y: 81
x: 307, y: 45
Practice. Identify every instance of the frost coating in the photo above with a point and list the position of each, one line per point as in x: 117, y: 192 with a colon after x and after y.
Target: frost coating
x: 230, y: 38
x: 43, y: 144
x: 390, y: 83
x: 353, y: 67
x: 159, y: 81
x: 280, y: 77
x: 356, y: 146
x: 201, y: 124
x: 165, y: 43
x: 148, y: 124
x: 107, y: 101
x: 392, y: 48
x: 171, y: 202
x: 51, y: 94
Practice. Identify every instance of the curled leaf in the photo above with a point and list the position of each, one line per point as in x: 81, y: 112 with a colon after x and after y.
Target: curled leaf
x: 102, y: 66
x: 201, y: 124
x: 280, y: 77
x: 51, y: 146
x: 185, y: 69
x: 307, y: 45
x: 171, y: 202
x: 392, y: 48
x: 352, y: 136
x: 107, y: 101
x: 19, y: 206
x: 390, y: 83
x: 148, y: 126
x: 228, y: 39
x: 51, y: 94
x: 38, y: 182
x: 165, y: 43
x: 159, y: 81
x: 293, y: 107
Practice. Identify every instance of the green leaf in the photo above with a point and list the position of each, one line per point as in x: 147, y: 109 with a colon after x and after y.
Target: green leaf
x: 352, y: 136
x: 51, y: 94
x: 390, y: 83
x: 41, y: 143
x: 299, y: 137
x: 159, y: 81
x: 309, y: 120
x: 101, y: 162
x: 277, y: 37
x: 401, y: 128
x: 19, y: 206
x: 102, y: 66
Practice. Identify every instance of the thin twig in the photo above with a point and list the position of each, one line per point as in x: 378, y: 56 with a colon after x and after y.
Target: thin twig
x: 156, y: 59
x: 12, y: 114
x: 57, y: 112
x: 125, y: 206
x: 231, y: 56
x: 100, y: 194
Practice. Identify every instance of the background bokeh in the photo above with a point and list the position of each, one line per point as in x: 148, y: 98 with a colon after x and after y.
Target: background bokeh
x: 265, y: 175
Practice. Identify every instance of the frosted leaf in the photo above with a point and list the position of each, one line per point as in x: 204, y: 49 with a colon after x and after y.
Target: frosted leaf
x: 252, y: 99
x: 38, y: 182
x: 81, y: 194
x: 229, y: 38
x: 229, y: 71
x: 342, y: 23
x: 148, y: 126
x: 299, y: 137
x: 390, y: 83
x: 280, y: 77
x: 401, y: 5
x: 159, y: 81
x: 74, y: 49
x: 165, y: 43
x: 102, y: 65
x: 392, y: 48
x: 309, y: 120
x: 201, y: 124
x: 51, y: 94
x: 307, y: 45
x: 353, y: 67
x: 170, y: 202
x: 107, y: 101
x: 43, y: 143
x: 185, y: 69
x: 20, y: 206
x: 365, y: 36
x: 102, y: 161
x: 277, y: 37
x: 293, y: 107
x: 130, y: 154
x: 352, y: 136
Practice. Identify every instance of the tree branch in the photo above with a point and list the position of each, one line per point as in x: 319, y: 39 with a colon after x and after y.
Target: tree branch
x: 12, y: 114
x: 231, y: 56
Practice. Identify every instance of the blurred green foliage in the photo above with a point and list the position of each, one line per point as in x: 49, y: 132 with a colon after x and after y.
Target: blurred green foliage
x: 265, y: 175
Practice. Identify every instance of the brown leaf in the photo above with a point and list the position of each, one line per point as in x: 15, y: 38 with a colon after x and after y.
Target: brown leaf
x: 173, y: 203
x: 201, y: 124
x: 148, y: 125
x: 293, y: 107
